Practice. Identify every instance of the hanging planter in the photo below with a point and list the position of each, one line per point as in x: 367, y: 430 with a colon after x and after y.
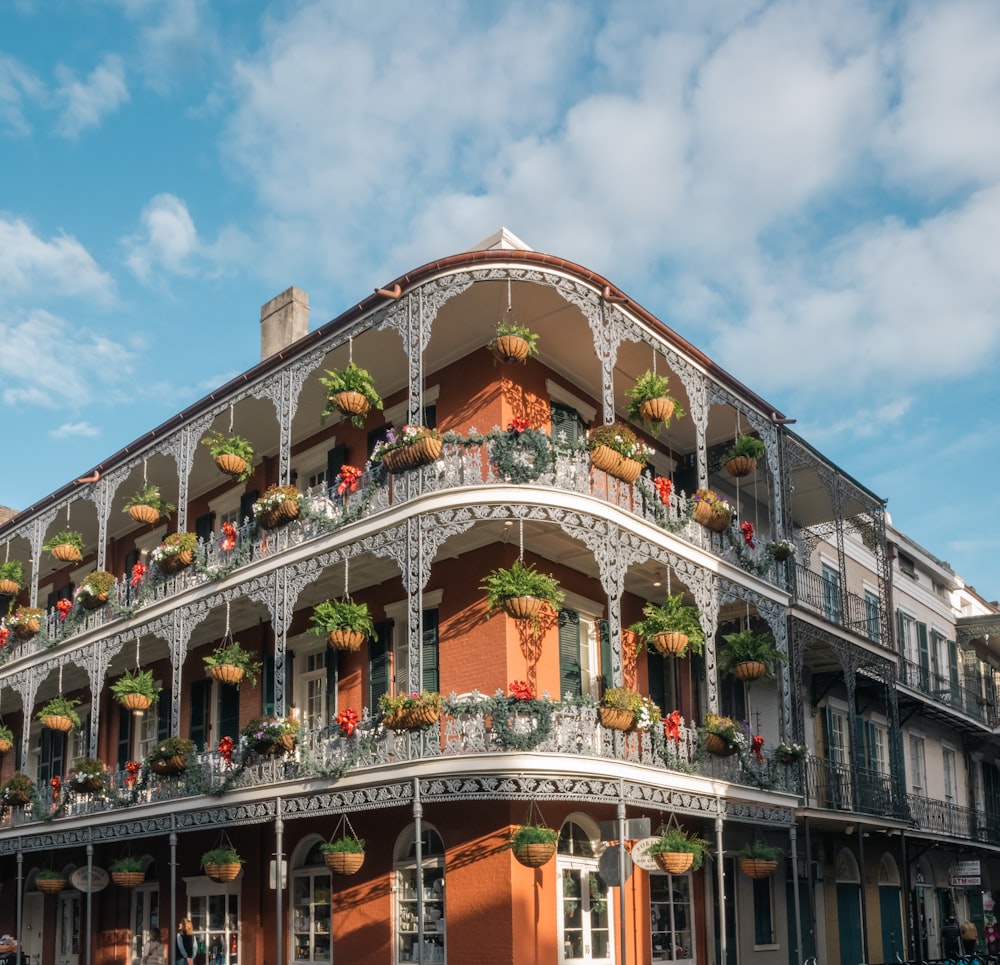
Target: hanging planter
x: 233, y: 455
x: 11, y: 576
x: 789, y: 753
x: 67, y: 547
x: 60, y: 714
x: 711, y: 510
x: 270, y: 736
x: 25, y: 621
x: 677, y: 851
x: 741, y: 457
x: 720, y: 735
x: 87, y: 775
x: 127, y: 872
x: 229, y: 663
x: 175, y: 553
x: 278, y: 506
x: 513, y: 343
x: 6, y: 739
x: 410, y: 711
x: 50, y: 882
x: 345, y: 624
x: 781, y: 550
x: 650, y: 403
x: 147, y: 505
x: 351, y: 392
x: 759, y: 860
x: 169, y: 757
x: 533, y: 845
x: 95, y: 591
x: 616, y: 450
x: 520, y: 590
x: 137, y: 691
x: 18, y: 791
x: 671, y: 627
x: 749, y: 655
x: 414, y: 447
x: 344, y: 853
x: 748, y: 670
x: 222, y: 864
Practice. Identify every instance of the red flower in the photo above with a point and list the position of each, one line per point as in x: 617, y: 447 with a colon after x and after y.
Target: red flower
x: 347, y: 721
x: 663, y: 488
x: 226, y: 750
x: 518, y: 424
x: 138, y: 572
x: 132, y: 769
x: 747, y: 528
x: 348, y: 480
x: 4, y: 636
x: 64, y: 606
x: 229, y: 535
x: 55, y: 783
x: 521, y: 690
x: 756, y: 744
x: 672, y: 726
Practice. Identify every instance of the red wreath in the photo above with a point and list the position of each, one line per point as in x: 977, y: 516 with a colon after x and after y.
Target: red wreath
x: 350, y: 477
x: 672, y: 726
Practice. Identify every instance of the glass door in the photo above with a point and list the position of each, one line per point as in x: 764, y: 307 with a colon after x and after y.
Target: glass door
x: 433, y: 915
x: 146, y: 917
x: 585, y: 917
x: 216, y: 921
x: 311, y: 917
x: 68, y: 935
x: 670, y: 918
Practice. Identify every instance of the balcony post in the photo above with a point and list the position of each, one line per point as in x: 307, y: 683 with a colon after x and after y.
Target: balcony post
x: 279, y: 880
x: 793, y: 847
x: 720, y: 875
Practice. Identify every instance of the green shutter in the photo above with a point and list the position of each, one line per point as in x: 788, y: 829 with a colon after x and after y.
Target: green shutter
x: 953, y: 668
x: 163, y: 714
x: 604, y: 630
x: 924, y: 657
x: 246, y: 505
x: 429, y: 651
x: 332, y: 676
x: 200, y: 690
x: 267, y: 680
x: 900, y: 633
x: 229, y: 712
x: 124, y: 736
x: 570, y: 671
x: 378, y: 664
x: 565, y: 425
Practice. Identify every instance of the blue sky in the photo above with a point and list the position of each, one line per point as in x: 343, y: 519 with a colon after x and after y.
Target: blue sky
x: 807, y: 190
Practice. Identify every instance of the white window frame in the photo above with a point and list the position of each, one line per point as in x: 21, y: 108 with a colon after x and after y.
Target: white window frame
x: 590, y: 641
x: 396, y: 415
x: 949, y: 773
x: 911, y: 649
x: 918, y: 765
x: 398, y: 611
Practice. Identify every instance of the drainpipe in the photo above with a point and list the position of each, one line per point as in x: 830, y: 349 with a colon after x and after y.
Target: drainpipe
x: 173, y: 878
x: 720, y: 869
x: 90, y: 896
x: 621, y: 873
x: 279, y: 841
x: 418, y: 830
x: 20, y: 896
x: 793, y: 836
x: 864, y: 901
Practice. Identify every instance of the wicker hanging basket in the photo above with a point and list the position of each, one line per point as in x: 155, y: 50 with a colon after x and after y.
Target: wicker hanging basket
x: 230, y: 464
x: 26, y: 630
x: 9, y: 587
x: 128, y: 879
x: 607, y: 460
x: 344, y: 862
x: 137, y: 703
x: 176, y: 562
x: 57, y: 722
x: 223, y: 872
x: 710, y: 518
x: 510, y: 348
x: 535, y: 855
x: 747, y: 670
x: 670, y: 643
x: 523, y: 607
x: 657, y: 410
x: 92, y: 601
x: 674, y: 862
x: 616, y: 719
x: 144, y: 514
x: 226, y: 673
x: 420, y: 453
x: 5, y: 745
x: 169, y: 766
x: 67, y: 553
x: 349, y: 640
x: 350, y: 403
x: 717, y: 745
x: 757, y: 867
x: 740, y: 466
x: 50, y: 886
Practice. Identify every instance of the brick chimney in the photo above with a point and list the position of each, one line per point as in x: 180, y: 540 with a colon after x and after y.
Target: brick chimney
x: 283, y: 320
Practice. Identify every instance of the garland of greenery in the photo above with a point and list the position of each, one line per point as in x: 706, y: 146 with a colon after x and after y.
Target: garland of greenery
x: 651, y: 501
x: 507, y: 709
x: 520, y: 457
x: 738, y: 545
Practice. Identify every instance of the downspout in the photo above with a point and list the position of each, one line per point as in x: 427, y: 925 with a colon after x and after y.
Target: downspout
x: 418, y: 830
x: 90, y: 896
x: 279, y: 880
x: 720, y: 871
x: 864, y: 900
x: 173, y: 878
x: 793, y: 836
x: 20, y: 896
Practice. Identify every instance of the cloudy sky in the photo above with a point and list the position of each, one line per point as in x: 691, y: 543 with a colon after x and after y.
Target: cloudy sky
x: 807, y: 190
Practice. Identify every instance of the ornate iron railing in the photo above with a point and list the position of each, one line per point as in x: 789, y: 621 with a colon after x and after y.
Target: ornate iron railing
x: 839, y: 787
x: 940, y: 688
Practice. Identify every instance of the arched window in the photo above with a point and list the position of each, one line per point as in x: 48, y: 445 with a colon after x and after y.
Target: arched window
x: 310, y: 910
x: 410, y: 912
x: 584, y: 901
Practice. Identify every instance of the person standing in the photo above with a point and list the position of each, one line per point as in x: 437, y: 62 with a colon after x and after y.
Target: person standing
x: 969, y: 935
x: 152, y: 951
x: 949, y: 938
x: 184, y: 954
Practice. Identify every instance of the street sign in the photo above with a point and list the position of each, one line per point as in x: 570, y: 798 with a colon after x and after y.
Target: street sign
x: 607, y: 868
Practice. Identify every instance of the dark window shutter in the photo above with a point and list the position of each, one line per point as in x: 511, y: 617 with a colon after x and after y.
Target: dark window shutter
x: 52, y: 755
x: 900, y: 633
x: 124, y: 737
x: 203, y: 527
x: 429, y: 651
x: 200, y: 690
x: 430, y: 416
x: 335, y: 458
x: 924, y: 656
x: 763, y: 927
x: 163, y: 714
x: 374, y: 437
x: 570, y: 671
x: 656, y: 673
x: 604, y: 630
x: 828, y: 732
x: 246, y: 505
x: 953, y: 667
x: 378, y: 664
x: 289, y: 678
x: 565, y: 425
x: 229, y: 712
x: 332, y: 674
x: 267, y: 682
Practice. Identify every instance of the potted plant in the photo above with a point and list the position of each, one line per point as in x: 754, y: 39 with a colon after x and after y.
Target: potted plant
x: 229, y: 663
x: 66, y: 546
x: 11, y: 577
x: 175, y: 553
x: 616, y: 450
x: 740, y: 459
x: 60, y: 714
x: 222, y: 864
x: 26, y: 621
x: 749, y: 655
x: 649, y: 402
x: 232, y: 454
x: 513, y: 342
x: 18, y: 790
x: 128, y: 872
x: 136, y: 691
x: 147, y: 505
x: 345, y: 624
x: 677, y: 851
x: 618, y: 708
x: 410, y: 448
x: 759, y: 860
x: 87, y: 775
x: 721, y: 735
x: 345, y: 856
x: 270, y: 735
x: 533, y: 844
x: 671, y: 627
x: 788, y: 753
x: 170, y: 755
x: 410, y: 711
x: 95, y: 589
x: 50, y: 882
x: 780, y: 550
x: 711, y: 510
x: 6, y: 738
x: 521, y: 591
x: 277, y: 506
x: 351, y: 392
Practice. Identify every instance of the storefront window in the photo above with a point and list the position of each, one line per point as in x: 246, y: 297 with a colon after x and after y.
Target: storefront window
x: 670, y: 918
x: 216, y: 927
x: 408, y: 907
x: 311, y: 922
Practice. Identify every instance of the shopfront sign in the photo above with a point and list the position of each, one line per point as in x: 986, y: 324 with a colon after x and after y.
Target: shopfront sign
x: 97, y: 880
x: 965, y: 874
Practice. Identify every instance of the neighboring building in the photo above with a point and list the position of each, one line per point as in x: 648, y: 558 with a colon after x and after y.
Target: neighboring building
x: 889, y: 677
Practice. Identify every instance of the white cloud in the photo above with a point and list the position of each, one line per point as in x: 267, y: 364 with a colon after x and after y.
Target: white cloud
x: 88, y: 102
x: 78, y: 364
x: 18, y: 85
x: 70, y: 430
x: 31, y: 265
x: 178, y: 45
x: 168, y: 239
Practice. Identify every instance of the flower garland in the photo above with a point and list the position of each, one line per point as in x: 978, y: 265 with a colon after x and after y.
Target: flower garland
x: 521, y: 454
x: 507, y: 710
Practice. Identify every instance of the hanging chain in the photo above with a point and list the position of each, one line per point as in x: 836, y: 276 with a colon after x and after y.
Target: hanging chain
x: 350, y: 349
x: 520, y: 540
x: 232, y: 415
x: 228, y: 636
x: 144, y: 480
x: 347, y: 594
x: 137, y: 664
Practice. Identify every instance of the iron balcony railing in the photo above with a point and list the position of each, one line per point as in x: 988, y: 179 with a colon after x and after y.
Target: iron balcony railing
x: 572, y: 732
x: 941, y: 689
x: 846, y: 609
x: 862, y: 790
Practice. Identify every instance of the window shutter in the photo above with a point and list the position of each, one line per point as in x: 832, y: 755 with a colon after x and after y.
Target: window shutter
x: 828, y: 733
x: 332, y: 674
x: 203, y: 527
x: 565, y: 425
x: 604, y: 633
x: 124, y: 737
x: 570, y: 671
x: 200, y: 690
x: 900, y: 633
x: 229, y: 712
x: 429, y: 651
x: 246, y: 506
x: 953, y: 667
x: 289, y: 679
x: 924, y: 657
x: 267, y: 682
x: 335, y: 458
x: 656, y: 674
x: 52, y: 755
x: 430, y: 416
x: 378, y: 664
x: 62, y: 593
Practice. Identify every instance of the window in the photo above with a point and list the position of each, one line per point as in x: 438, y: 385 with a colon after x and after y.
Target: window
x: 146, y: 917
x: 877, y: 748
x: 763, y: 912
x: 137, y: 733
x: 906, y: 629
x: 215, y: 712
x: 409, y: 906
x: 313, y: 688
x: 396, y: 645
x: 584, y: 918
x: 838, y: 749
x: 214, y: 911
x: 670, y: 918
x: 918, y: 768
x: 567, y: 426
x: 311, y: 931
x: 831, y: 594
x: 584, y: 654
x: 948, y: 773
x: 873, y: 625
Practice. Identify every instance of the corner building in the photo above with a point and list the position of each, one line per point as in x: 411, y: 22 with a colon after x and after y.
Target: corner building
x: 435, y: 806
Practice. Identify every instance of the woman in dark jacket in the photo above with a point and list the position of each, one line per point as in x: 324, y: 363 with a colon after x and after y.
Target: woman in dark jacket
x: 184, y: 946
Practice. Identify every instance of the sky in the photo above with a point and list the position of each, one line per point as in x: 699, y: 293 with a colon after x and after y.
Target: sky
x: 809, y: 191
